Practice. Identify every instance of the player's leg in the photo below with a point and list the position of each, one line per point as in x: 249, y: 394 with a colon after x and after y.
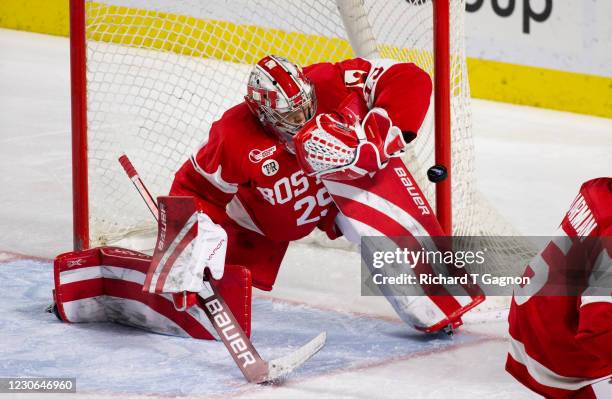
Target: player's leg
x: 259, y: 254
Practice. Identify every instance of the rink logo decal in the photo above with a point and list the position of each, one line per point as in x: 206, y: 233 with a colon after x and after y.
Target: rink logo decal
x: 412, y: 191
x: 257, y: 156
x: 270, y: 167
x: 230, y: 331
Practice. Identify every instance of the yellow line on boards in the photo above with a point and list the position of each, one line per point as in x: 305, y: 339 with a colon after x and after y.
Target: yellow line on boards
x: 492, y: 80
x: 540, y: 87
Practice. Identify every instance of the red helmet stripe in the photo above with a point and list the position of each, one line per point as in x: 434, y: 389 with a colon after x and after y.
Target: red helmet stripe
x: 265, y: 72
x: 294, y: 81
x: 276, y: 70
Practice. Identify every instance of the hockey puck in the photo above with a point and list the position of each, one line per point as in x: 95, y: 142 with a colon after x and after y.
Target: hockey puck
x: 437, y: 173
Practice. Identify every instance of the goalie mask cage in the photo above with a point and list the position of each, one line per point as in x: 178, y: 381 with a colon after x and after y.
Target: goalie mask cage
x: 150, y: 76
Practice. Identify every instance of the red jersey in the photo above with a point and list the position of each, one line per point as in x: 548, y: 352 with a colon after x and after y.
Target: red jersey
x: 561, y: 345
x: 244, y: 174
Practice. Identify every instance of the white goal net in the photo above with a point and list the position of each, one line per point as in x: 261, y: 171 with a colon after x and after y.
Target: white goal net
x: 159, y: 72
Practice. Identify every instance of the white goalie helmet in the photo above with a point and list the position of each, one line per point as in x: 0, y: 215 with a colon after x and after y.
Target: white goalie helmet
x: 281, y: 97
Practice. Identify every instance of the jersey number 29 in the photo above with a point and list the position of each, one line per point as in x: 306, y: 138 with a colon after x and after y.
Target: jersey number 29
x: 288, y: 188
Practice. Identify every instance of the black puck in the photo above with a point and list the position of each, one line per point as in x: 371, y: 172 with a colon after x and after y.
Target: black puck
x: 437, y: 173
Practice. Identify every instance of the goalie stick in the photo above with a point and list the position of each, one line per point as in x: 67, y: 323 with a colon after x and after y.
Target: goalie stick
x: 254, y: 368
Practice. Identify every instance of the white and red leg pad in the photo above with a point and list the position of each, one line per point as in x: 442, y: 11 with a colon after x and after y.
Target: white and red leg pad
x: 106, y: 284
x: 390, y: 204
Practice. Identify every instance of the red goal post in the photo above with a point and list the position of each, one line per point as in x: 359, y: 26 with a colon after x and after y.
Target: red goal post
x: 78, y: 92
x: 100, y: 31
x: 443, y: 142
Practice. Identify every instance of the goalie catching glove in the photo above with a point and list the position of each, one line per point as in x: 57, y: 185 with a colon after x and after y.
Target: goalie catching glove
x: 189, y: 244
x: 339, y: 147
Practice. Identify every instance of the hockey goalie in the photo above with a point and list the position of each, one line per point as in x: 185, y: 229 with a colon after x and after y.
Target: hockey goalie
x: 308, y: 148
x: 561, y: 342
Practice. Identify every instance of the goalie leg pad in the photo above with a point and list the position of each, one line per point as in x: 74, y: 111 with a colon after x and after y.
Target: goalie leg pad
x: 390, y: 204
x: 106, y: 284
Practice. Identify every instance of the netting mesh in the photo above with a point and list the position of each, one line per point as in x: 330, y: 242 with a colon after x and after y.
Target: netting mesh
x: 159, y: 72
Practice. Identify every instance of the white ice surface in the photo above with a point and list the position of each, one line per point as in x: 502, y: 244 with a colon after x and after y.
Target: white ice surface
x: 119, y: 360
x: 529, y: 162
